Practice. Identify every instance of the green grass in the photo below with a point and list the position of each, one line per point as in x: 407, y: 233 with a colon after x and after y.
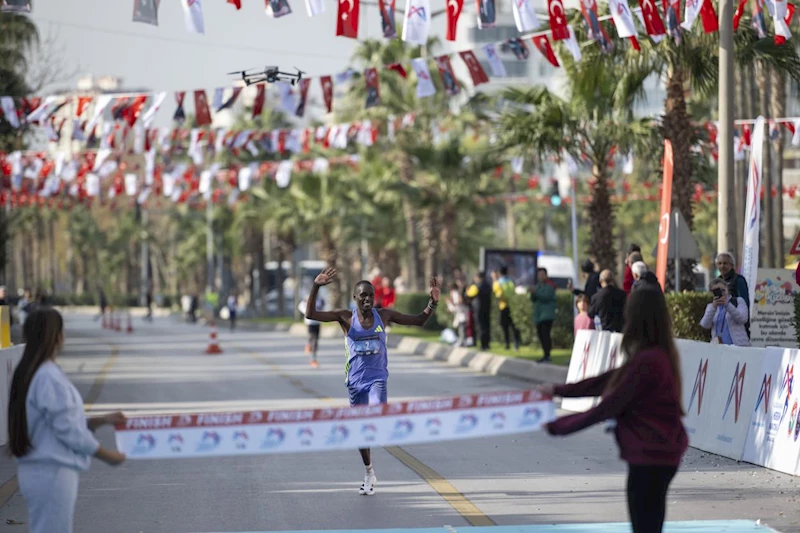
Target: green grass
x: 410, y: 331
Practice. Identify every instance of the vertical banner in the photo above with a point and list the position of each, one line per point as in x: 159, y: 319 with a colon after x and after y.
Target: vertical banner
x: 372, y: 87
x: 487, y: 13
x: 388, y: 24
x: 752, y: 219
x: 304, y: 85
x: 449, y: 81
x: 663, y: 221
x: 772, y: 321
x: 417, y: 22
x: 327, y: 91
x: 347, y: 19
x: 201, y: 113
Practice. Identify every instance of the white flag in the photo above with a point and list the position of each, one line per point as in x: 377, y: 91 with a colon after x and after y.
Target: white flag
x: 148, y: 117
x: 10, y: 111
x: 417, y: 21
x: 320, y: 165
x: 752, y: 218
x: 99, y: 108
x: 779, y: 10
x: 205, y: 182
x: 245, y: 175
x: 627, y: 164
x: 425, y: 86
x: 524, y: 15
x: 516, y: 164
x: 193, y: 16
x: 796, y: 134
x: 216, y: 101
x: 571, y: 44
x: 130, y: 184
x: 315, y: 7
x: 284, y: 173
x: 168, y: 182
x: 690, y: 13
x: 93, y: 185
x: 149, y: 166
x: 623, y: 19
x: 287, y: 97
x: 495, y: 63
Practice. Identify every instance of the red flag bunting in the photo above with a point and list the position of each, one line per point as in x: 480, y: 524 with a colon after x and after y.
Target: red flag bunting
x: 543, y: 44
x: 737, y: 15
x: 237, y: 3
x: 709, y: 17
x: 304, y: 84
x: 131, y: 113
x: 201, y: 112
x: 347, y: 19
x: 558, y: 20
x: 327, y: 91
x: 258, y: 103
x: 475, y: 69
x: 83, y: 101
x: 454, y: 9
x: 652, y: 18
x: 635, y: 43
x: 398, y: 67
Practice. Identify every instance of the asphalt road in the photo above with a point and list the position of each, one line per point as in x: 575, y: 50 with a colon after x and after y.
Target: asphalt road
x: 519, y: 480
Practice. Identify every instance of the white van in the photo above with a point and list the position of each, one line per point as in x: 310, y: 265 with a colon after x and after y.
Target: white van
x: 560, y: 269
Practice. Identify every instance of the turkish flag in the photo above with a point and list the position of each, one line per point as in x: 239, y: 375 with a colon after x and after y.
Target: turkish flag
x: 454, y: 8
x: 83, y: 101
x: 327, y: 91
x: 258, y: 103
x: 737, y: 15
x: 652, y: 19
x: 131, y: 113
x: 201, y: 112
x: 543, y: 44
x: 347, y: 19
x: 558, y: 20
x: 662, y: 253
x: 237, y: 3
x: 780, y: 39
x: 709, y: 17
x: 475, y: 69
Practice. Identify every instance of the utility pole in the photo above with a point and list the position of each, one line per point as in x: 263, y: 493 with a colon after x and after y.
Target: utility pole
x: 726, y: 222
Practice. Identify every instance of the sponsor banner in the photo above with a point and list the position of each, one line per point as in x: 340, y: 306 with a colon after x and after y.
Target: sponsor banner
x: 262, y: 432
x: 772, y: 322
x: 589, y: 354
x: 720, y: 386
x: 774, y: 437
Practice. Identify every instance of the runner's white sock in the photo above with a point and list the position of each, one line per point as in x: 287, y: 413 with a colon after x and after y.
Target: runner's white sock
x: 370, y: 470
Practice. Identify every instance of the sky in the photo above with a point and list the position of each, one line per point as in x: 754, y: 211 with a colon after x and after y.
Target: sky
x: 98, y: 37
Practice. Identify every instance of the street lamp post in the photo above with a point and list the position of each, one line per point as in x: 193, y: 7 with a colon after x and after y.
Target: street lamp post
x: 726, y: 214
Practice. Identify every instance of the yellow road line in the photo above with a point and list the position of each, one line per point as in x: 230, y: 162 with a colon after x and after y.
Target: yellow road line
x: 10, y: 487
x: 444, y: 488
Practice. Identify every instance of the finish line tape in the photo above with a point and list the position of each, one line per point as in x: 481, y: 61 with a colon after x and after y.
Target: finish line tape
x: 305, y: 430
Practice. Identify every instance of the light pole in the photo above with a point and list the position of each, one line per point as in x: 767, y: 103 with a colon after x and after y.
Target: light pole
x: 726, y: 214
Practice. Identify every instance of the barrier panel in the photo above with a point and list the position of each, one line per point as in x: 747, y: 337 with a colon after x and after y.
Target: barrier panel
x: 5, y: 326
x: 9, y: 357
x: 774, y: 428
x: 740, y: 403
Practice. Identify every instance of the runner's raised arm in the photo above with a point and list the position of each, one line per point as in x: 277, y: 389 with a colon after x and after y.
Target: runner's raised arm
x: 390, y: 315
x: 324, y: 278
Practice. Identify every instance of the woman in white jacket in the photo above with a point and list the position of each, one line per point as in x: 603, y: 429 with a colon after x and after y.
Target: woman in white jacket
x: 725, y: 318
x: 48, y: 431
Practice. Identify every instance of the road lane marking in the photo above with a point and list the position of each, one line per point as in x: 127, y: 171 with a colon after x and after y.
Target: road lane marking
x: 444, y: 488
x: 10, y: 487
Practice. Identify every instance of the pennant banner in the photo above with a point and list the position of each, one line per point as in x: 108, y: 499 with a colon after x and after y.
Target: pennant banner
x: 454, y: 8
x: 347, y: 19
x: 306, y: 430
x: 193, y: 16
x: 425, y: 86
x: 752, y: 218
x: 417, y: 22
x: 388, y: 23
x: 487, y: 13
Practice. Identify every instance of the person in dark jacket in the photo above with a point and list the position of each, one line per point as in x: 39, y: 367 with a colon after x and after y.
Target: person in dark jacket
x: 644, y: 397
x: 592, y: 279
x: 737, y: 285
x: 643, y: 277
x: 480, y: 296
x: 608, y: 303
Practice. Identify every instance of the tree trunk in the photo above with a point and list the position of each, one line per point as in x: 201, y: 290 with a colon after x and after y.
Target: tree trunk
x: 51, y: 240
x: 601, y: 219
x: 449, y: 242
x: 678, y: 129
x: 764, y: 86
x: 429, y: 223
x: 740, y: 181
x: 330, y: 253
x: 779, y: 110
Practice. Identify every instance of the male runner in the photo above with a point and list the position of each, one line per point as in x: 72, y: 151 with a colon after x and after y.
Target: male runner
x: 366, y: 366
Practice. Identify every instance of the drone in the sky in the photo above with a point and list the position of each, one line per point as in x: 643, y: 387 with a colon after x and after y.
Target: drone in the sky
x: 269, y: 75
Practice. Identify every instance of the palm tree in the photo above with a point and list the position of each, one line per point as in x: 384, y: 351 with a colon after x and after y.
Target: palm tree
x: 592, y: 119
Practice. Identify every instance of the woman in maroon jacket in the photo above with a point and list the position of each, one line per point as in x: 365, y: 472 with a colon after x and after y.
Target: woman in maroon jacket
x: 644, y: 397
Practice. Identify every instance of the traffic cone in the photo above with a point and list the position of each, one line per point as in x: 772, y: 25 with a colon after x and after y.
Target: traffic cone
x: 130, y: 323
x: 213, y: 343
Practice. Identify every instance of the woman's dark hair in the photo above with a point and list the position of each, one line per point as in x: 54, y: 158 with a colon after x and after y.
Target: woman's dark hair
x: 42, y: 332
x: 648, y: 325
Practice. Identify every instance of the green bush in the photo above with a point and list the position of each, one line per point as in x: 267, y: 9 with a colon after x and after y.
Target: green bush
x: 686, y: 310
x: 413, y: 303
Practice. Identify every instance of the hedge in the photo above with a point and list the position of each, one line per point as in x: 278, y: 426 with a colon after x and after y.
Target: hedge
x: 413, y: 303
x: 686, y: 310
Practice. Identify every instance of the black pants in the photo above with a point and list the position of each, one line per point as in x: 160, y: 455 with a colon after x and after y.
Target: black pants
x: 543, y: 329
x: 484, y: 330
x: 508, y: 327
x: 647, y: 496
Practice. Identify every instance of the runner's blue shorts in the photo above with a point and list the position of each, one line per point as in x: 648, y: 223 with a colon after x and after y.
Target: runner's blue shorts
x: 374, y: 394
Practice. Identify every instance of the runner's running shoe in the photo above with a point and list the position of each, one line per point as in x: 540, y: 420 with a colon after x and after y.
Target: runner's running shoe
x: 368, y: 487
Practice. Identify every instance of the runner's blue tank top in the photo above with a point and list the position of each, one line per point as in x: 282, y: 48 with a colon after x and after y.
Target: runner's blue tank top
x: 366, y: 353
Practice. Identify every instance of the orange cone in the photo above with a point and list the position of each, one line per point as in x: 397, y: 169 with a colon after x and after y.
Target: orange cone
x: 213, y: 343
x: 130, y: 323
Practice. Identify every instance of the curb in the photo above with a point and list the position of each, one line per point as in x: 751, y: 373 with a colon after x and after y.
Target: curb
x: 485, y: 362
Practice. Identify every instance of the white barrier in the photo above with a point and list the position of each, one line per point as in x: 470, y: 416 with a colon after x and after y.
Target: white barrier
x: 740, y: 403
x: 9, y: 357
